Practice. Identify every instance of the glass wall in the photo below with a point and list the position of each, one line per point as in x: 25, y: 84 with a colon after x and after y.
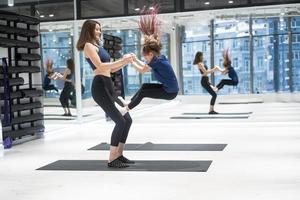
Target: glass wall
x: 295, y: 26
x: 275, y: 64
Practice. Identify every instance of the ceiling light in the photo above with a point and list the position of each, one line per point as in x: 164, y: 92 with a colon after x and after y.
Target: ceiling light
x: 230, y: 2
x: 51, y: 15
x: 137, y: 9
x: 42, y: 16
x: 151, y: 8
x: 207, y: 3
x: 10, y: 3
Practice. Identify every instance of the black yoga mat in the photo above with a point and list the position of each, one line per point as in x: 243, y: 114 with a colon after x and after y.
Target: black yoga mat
x: 165, y: 147
x: 140, y: 165
x: 233, y: 113
x: 58, y: 119
x: 58, y: 115
x: 210, y: 117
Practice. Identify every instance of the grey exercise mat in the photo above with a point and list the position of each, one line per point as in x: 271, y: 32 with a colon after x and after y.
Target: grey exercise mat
x: 210, y: 117
x: 59, y: 115
x: 140, y: 165
x: 233, y: 113
x: 165, y: 147
x: 58, y: 119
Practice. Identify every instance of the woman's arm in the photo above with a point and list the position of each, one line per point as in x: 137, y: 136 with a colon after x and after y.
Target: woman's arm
x: 92, y: 54
x: 142, y: 69
x: 223, y: 71
x: 206, y: 71
x: 64, y: 76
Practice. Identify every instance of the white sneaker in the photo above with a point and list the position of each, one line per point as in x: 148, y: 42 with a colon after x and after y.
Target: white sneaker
x: 121, y: 109
x: 124, y: 102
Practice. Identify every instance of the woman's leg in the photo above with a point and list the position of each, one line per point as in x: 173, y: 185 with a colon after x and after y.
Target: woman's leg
x: 103, y: 98
x: 62, y: 99
x: 226, y: 82
x: 65, y: 96
x: 154, y: 91
x: 213, y: 94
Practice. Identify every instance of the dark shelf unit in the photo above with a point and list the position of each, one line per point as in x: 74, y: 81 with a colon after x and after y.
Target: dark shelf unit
x: 20, y: 96
x: 113, y: 45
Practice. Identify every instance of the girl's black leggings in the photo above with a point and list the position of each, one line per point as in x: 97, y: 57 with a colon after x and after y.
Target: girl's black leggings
x: 65, y: 94
x: 226, y: 82
x: 104, y: 95
x: 206, y: 84
x: 150, y: 90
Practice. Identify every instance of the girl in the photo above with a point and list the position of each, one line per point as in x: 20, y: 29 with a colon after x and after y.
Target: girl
x: 228, y: 69
x: 159, y: 65
x: 102, y: 89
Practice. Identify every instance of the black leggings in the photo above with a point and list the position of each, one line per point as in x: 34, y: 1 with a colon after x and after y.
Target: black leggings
x: 66, y: 94
x: 206, y: 84
x: 150, y: 90
x: 226, y: 82
x: 105, y: 96
x: 50, y: 87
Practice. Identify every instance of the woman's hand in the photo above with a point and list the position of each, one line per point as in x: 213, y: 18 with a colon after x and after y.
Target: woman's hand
x: 127, y: 58
x: 215, y: 68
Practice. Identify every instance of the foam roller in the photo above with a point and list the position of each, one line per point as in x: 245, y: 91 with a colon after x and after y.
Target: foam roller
x: 25, y: 106
x: 27, y: 118
x: 28, y: 57
x: 10, y: 16
x: 18, y: 31
x: 108, y: 37
x: 13, y: 81
x: 32, y: 93
x: 117, y: 40
x: 24, y: 131
x: 13, y: 95
x: 4, y: 42
x: 22, y: 69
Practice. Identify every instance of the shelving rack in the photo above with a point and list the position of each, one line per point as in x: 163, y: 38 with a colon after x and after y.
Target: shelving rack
x: 20, y: 79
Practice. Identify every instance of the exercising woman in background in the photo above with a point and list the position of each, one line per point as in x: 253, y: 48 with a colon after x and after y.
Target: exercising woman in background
x: 68, y: 87
x: 205, y: 80
x: 102, y: 89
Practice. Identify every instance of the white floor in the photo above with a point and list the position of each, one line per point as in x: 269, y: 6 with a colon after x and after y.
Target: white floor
x: 261, y: 160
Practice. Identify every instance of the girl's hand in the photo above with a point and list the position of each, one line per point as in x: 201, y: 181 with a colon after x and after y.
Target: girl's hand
x: 127, y: 58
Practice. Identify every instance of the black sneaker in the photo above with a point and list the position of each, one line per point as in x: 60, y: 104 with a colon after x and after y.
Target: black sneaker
x: 117, y: 164
x: 213, y: 112
x: 125, y: 160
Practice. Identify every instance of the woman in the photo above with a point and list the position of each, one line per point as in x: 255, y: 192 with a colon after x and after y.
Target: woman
x: 68, y: 87
x: 205, y: 80
x: 102, y: 89
x: 228, y: 69
x: 168, y: 87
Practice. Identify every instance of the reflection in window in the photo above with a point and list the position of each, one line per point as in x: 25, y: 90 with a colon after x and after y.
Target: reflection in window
x: 58, y: 47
